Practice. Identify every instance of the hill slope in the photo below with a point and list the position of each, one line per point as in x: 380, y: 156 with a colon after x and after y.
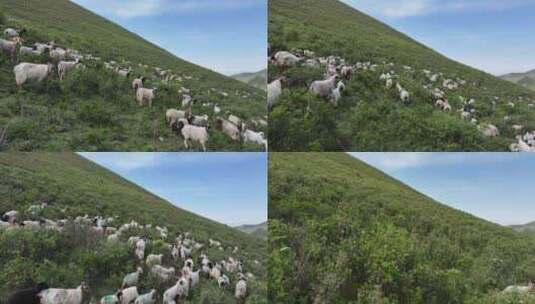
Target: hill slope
x: 257, y: 80
x: 525, y: 79
x: 95, y: 109
x: 73, y: 186
x: 369, y: 116
x: 353, y: 234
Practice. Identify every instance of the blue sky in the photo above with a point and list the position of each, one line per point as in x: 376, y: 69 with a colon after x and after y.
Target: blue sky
x: 492, y: 35
x: 228, y: 36
x: 498, y: 187
x: 230, y: 188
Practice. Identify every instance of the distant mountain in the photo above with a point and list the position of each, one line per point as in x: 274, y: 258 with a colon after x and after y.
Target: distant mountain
x: 526, y: 79
x: 259, y: 231
x: 257, y: 80
x: 530, y: 227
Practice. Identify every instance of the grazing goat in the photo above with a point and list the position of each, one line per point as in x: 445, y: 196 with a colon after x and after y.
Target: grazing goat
x: 65, y: 296
x: 275, y: 91
x: 230, y: 129
x: 31, y: 72
x: 191, y: 133
x: 144, y: 95
x: 323, y: 88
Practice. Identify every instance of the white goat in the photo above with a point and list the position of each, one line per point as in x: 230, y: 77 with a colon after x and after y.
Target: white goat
x: 172, y: 116
x: 132, y: 278
x: 129, y: 295
x: 255, y: 137
x: 144, y: 95
x: 404, y: 95
x: 192, y: 133
x: 137, y: 83
x: 65, y: 296
x: 285, y: 59
x: 64, y: 66
x: 230, y: 129
x: 180, y: 290
x: 336, y: 94
x: 274, y: 91
x: 31, y: 72
x: 240, y: 292
x: 148, y: 298
x: 323, y: 88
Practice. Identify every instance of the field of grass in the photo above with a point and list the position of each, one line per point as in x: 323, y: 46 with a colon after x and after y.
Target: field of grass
x: 95, y: 109
x: 343, y: 232
x: 68, y: 181
x: 370, y: 117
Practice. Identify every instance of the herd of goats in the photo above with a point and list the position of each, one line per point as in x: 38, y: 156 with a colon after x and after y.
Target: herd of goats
x: 186, y: 279
x: 192, y: 128
x: 195, y: 128
x: 337, y: 70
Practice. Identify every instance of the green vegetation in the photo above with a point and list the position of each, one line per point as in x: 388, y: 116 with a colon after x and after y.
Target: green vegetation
x: 257, y: 80
x: 370, y: 117
x: 95, y: 109
x: 341, y: 231
x: 68, y: 181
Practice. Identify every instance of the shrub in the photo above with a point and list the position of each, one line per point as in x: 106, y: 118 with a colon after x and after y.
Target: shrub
x: 96, y: 113
x: 22, y: 128
x: 81, y: 82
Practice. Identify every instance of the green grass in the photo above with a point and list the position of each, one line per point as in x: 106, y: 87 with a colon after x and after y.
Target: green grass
x: 66, y: 116
x: 69, y: 181
x: 341, y: 231
x: 370, y: 118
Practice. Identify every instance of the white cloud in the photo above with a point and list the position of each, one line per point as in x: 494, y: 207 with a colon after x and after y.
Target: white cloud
x: 408, y: 8
x: 129, y: 161
x: 393, y: 8
x: 238, y: 217
x: 143, y: 8
x: 124, y: 161
x: 396, y: 161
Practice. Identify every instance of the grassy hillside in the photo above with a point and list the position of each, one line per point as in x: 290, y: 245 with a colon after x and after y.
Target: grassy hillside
x: 344, y: 232
x: 525, y: 79
x: 95, y: 109
x: 73, y: 186
x: 257, y: 80
x: 370, y: 116
x: 259, y: 231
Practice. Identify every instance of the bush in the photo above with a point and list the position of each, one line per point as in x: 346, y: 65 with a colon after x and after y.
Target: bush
x: 23, y: 128
x: 96, y: 113
x: 81, y: 82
